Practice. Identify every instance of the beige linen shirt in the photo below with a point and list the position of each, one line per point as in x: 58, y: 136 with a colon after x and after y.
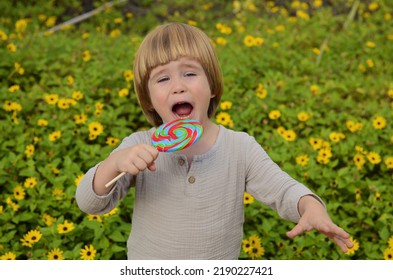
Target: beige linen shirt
x: 196, y: 212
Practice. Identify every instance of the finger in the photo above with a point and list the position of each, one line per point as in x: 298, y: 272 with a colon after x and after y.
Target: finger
x: 140, y: 163
x: 297, y: 230
x: 343, y: 244
x: 332, y: 230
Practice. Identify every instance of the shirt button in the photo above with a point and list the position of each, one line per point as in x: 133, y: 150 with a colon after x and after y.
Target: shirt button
x: 181, y: 162
x: 191, y: 179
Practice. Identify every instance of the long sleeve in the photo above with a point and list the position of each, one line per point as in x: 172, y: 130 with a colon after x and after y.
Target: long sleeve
x: 88, y: 201
x: 267, y: 182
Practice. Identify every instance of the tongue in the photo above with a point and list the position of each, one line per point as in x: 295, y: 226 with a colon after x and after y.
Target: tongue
x: 182, y: 110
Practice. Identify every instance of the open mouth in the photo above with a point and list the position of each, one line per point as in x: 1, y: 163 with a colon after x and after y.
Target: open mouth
x: 182, y: 110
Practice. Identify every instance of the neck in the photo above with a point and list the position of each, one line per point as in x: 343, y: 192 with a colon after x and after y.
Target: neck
x: 205, y: 143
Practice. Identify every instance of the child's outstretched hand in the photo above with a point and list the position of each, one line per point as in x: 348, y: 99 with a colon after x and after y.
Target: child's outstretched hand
x: 314, y: 216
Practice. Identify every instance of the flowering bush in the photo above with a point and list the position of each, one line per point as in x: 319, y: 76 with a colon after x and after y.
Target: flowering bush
x: 310, y: 81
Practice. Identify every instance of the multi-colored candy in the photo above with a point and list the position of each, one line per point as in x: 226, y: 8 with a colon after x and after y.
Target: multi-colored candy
x: 177, y: 135
x: 173, y: 136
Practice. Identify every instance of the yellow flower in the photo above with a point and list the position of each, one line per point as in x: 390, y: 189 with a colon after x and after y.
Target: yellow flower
x: 303, y: 15
x: 51, y: 99
x: 302, y: 160
x: 316, y: 51
x: 317, y: 3
x: 78, y: 179
x: 63, y: 103
x: 324, y: 156
x: 8, y: 256
x: 373, y: 157
x: 358, y: 193
x: 256, y: 252
x: 3, y: 36
x: 30, y: 238
x: 246, y: 246
x: 54, y: 136
x: 48, y: 219
x: 370, y: 63
x: 389, y: 162
x: 225, y: 105
x: 370, y: 44
x: 58, y: 194
x: 303, y: 116
x: 19, y: 193
x: 390, y: 92
x: 336, y: 136
x: 14, y: 88
x: 65, y: 227
x: 95, y: 128
x: 55, y: 254
x: 88, y: 253
x: 359, y: 160
x: 70, y: 80
x: 11, y: 47
x: 19, y: 68
x: 42, y: 122
x: 248, y: 198
x: 30, y: 182
x: 94, y: 218
x: 258, y: 41
x: 128, y: 75
x: 221, y: 41
x: 20, y: 25
x: 224, y: 118
x: 123, y: 92
x: 353, y: 127
x: 223, y: 28
x: 274, y: 115
x: 390, y: 242
x: 355, y: 247
x: 249, y: 41
x: 80, y: 119
x: 261, y: 91
x: 388, y: 254
x: 118, y: 20
x: 314, y: 89
x: 77, y: 95
x: 289, y: 135
x: 86, y: 56
x: 29, y: 150
x: 51, y: 21
x: 112, y: 141
x: 379, y: 122
x: 316, y: 143
x: 115, y: 33
x: 373, y: 6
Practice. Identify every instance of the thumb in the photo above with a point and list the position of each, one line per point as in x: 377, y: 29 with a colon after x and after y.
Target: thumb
x: 152, y: 166
x: 297, y: 230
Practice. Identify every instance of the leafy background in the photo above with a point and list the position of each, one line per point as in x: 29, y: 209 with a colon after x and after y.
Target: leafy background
x: 67, y: 99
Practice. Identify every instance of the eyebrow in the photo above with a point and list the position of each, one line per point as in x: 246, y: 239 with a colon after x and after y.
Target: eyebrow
x: 187, y: 64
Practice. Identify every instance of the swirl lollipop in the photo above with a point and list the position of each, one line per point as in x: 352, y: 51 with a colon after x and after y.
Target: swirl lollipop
x: 176, y: 135
x: 173, y: 136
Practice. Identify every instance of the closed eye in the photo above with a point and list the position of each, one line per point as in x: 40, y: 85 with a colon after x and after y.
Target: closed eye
x: 189, y: 74
x: 163, y: 79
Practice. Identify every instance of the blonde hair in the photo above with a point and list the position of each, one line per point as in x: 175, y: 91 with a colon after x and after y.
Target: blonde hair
x: 170, y: 42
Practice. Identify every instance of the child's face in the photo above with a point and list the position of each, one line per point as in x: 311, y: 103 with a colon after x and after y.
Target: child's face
x: 180, y: 90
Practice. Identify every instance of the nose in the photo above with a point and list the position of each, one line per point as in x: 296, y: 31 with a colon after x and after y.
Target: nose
x: 178, y: 86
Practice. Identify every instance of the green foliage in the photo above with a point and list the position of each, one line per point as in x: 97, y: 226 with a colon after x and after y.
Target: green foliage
x: 67, y: 99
